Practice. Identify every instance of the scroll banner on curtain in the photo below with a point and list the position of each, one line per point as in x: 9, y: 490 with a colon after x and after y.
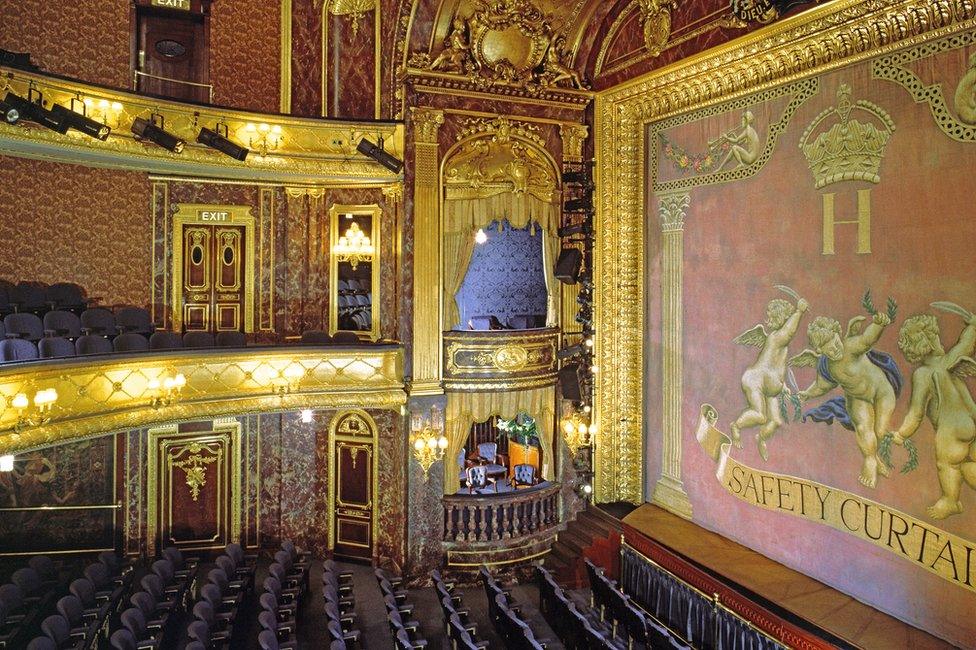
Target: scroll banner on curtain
x: 949, y: 556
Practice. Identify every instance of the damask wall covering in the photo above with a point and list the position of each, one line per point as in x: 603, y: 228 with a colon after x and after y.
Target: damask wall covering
x: 825, y: 411
x: 505, y: 277
x: 68, y: 223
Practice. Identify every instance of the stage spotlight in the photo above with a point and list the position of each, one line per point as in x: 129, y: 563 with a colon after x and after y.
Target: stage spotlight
x: 582, y: 204
x: 570, y: 352
x: 218, y: 140
x: 148, y: 130
x: 81, y: 122
x: 584, y: 228
x: 568, y: 265
x: 377, y: 153
x: 34, y: 111
x: 10, y: 114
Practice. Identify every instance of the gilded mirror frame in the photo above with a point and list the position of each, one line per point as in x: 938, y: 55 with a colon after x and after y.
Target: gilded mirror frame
x: 335, y: 219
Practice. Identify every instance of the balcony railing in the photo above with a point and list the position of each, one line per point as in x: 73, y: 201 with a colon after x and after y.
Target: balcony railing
x: 115, y: 392
x: 504, y: 517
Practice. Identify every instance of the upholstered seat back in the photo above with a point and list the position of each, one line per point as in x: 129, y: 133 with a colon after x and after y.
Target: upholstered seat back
x: 488, y: 451
x: 476, y: 476
x: 524, y: 474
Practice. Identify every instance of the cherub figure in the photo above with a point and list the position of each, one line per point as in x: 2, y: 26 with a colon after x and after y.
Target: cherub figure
x: 456, y: 55
x: 965, y: 98
x: 869, y: 379
x: 555, y: 69
x: 939, y: 392
x: 744, y: 143
x: 764, y: 382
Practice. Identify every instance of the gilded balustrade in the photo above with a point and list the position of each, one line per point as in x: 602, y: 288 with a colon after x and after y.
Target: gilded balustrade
x: 290, y: 150
x: 500, y: 359
x: 103, y: 394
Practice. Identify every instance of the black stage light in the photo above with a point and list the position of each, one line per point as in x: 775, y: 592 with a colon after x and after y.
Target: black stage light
x: 149, y: 130
x: 377, y: 153
x: 10, y: 114
x: 570, y: 352
x: 581, y: 177
x: 570, y: 382
x: 81, y: 122
x: 218, y: 140
x: 568, y: 265
x: 582, y: 204
x: 584, y: 228
x: 34, y: 111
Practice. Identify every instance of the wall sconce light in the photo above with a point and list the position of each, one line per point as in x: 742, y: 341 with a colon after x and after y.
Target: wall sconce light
x: 481, y: 236
x: 35, y: 415
x: 307, y: 416
x: 6, y: 463
x: 263, y: 137
x: 576, y: 432
x: 104, y: 110
x: 167, y: 391
x: 354, y: 246
x: 427, y: 439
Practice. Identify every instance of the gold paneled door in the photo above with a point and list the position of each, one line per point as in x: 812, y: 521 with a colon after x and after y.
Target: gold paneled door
x: 354, y: 485
x: 194, y: 485
x: 213, y: 277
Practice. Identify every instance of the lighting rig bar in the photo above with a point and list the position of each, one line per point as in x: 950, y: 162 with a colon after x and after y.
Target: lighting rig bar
x: 575, y: 267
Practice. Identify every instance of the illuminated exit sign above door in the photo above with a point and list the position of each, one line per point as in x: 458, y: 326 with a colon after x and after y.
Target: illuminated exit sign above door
x: 172, y: 4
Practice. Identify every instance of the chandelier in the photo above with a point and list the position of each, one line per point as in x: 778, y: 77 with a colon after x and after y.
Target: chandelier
x: 427, y: 439
x: 353, y: 247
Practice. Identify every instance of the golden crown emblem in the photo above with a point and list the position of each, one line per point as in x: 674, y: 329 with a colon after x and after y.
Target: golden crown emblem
x: 849, y: 150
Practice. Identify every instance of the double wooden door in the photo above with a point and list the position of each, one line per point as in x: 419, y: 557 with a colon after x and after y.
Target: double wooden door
x: 213, y: 278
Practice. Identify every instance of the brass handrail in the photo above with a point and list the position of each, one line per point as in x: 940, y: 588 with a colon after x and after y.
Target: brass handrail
x: 103, y: 506
x: 139, y: 73
x: 715, y: 599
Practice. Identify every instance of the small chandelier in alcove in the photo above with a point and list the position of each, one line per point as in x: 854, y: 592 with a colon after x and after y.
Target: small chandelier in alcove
x: 354, y: 246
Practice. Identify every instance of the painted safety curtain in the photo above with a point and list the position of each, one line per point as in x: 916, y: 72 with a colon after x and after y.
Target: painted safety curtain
x: 465, y: 409
x: 462, y: 219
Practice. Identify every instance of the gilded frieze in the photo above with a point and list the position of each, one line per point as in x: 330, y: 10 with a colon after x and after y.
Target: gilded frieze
x: 499, y: 359
x: 115, y: 394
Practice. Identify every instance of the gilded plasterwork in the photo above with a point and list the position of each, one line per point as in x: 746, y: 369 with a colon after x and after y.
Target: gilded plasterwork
x: 505, y: 41
x: 487, y: 166
x: 836, y: 34
x: 498, y: 358
x: 656, y: 19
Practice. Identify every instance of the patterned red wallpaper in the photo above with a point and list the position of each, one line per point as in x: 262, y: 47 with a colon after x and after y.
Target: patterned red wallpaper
x: 70, y: 223
x: 245, y: 54
x: 87, y: 39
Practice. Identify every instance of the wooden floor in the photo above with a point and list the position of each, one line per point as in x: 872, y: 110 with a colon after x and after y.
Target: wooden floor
x: 801, y: 595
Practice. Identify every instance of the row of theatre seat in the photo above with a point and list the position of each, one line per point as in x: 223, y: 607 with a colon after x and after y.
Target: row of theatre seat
x: 81, y: 615
x: 507, y: 618
x: 405, y: 631
x: 229, y: 587
x: 39, y: 297
x: 285, y: 589
x: 462, y: 633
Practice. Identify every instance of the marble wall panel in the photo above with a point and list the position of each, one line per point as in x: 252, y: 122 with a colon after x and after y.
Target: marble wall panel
x: 391, y: 500
x: 270, y: 493
x: 306, y: 58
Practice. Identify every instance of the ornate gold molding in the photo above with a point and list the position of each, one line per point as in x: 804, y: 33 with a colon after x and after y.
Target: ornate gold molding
x: 311, y: 151
x: 656, y: 22
x: 824, y: 38
x: 195, y: 468
x: 496, y: 358
x: 427, y: 279
x: 286, y: 31
x: 115, y: 392
x: 573, y: 137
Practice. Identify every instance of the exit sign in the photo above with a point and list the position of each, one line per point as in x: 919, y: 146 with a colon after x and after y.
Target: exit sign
x: 214, y: 215
x: 172, y: 4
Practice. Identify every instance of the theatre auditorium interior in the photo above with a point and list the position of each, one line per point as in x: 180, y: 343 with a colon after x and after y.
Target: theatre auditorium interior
x: 464, y: 324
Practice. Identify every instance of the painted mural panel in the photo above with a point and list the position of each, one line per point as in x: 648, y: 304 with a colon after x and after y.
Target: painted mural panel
x: 75, y: 484
x: 827, y: 416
